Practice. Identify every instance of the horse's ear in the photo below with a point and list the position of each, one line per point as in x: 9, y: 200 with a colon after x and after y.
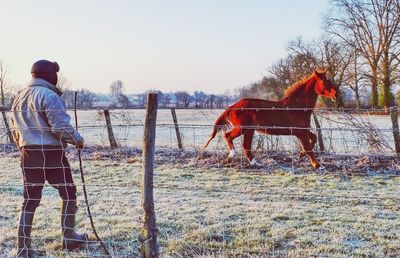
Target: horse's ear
x: 320, y: 73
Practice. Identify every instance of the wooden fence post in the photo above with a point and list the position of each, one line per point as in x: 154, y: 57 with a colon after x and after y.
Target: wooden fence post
x: 149, y: 233
x: 178, y: 134
x: 319, y: 133
x: 395, y: 126
x: 111, y: 138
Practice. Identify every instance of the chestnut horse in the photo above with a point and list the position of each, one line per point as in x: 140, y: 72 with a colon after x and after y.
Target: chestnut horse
x: 288, y: 116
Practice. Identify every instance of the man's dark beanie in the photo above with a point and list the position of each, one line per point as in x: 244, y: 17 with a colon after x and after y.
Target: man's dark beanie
x: 45, y: 70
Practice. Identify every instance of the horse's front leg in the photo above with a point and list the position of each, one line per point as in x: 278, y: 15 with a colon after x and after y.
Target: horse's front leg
x: 306, y: 142
x: 313, y: 140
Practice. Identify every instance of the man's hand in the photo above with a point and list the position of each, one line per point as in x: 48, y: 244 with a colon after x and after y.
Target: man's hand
x: 80, y: 144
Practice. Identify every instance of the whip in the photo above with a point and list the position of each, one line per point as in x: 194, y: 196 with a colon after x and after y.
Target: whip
x: 84, y: 187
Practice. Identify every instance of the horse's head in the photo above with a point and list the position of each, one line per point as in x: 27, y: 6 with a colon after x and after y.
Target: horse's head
x: 323, y: 86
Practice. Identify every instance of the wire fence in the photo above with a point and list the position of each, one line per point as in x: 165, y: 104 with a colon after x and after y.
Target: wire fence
x: 344, y: 132
x: 207, y: 206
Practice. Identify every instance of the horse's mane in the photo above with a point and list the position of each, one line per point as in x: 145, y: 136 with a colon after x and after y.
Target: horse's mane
x: 295, y: 88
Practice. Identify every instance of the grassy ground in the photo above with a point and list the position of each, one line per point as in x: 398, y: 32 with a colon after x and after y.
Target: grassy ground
x: 220, y: 211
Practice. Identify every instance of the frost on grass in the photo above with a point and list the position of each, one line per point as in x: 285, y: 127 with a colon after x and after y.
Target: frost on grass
x: 206, y: 207
x: 271, y: 161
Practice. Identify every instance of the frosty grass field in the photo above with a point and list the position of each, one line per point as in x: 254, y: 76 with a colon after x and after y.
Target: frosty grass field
x: 208, y: 208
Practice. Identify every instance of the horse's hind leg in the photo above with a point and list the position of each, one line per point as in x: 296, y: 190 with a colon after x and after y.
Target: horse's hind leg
x: 247, y: 140
x: 307, y: 146
x: 313, y: 140
x: 229, y: 137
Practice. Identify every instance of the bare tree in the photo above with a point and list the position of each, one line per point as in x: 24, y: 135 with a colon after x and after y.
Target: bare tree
x: 183, y: 99
x: 165, y: 101
x: 160, y: 97
x: 116, y: 88
x: 85, y: 99
x: 328, y: 54
x: 68, y: 95
x: 371, y: 27
x: 62, y: 82
x: 220, y: 101
x: 267, y: 88
x: 118, y: 96
x: 142, y: 98
x: 3, y: 76
x: 353, y: 78
x: 389, y: 34
x: 199, y: 98
x: 291, y: 69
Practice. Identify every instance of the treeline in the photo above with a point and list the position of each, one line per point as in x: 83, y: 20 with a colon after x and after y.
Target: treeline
x: 359, y: 48
x: 178, y: 99
x: 85, y: 98
x: 118, y: 99
x: 182, y: 99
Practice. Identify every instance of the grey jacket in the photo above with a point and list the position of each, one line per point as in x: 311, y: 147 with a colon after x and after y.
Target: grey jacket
x: 38, y: 117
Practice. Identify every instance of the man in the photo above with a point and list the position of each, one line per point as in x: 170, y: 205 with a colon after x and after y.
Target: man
x: 42, y: 129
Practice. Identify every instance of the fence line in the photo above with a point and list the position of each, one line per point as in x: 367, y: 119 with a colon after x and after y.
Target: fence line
x: 317, y: 109
x: 336, y: 126
x: 210, y: 126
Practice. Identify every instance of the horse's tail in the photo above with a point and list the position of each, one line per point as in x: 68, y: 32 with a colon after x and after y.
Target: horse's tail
x: 219, y: 123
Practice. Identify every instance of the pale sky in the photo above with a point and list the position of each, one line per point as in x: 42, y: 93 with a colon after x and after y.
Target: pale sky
x: 168, y: 45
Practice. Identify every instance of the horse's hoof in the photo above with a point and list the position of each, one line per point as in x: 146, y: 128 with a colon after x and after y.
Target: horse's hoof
x: 316, y: 165
x: 302, y: 154
x: 254, y: 163
x: 231, y: 155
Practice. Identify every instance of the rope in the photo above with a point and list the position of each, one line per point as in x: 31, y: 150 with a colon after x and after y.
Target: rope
x: 84, y: 187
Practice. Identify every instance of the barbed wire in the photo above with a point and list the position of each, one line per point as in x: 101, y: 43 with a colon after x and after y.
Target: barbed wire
x: 255, y: 127
x: 277, y: 107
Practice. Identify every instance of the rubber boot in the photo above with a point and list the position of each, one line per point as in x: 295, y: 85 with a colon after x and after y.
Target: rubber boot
x: 71, y: 239
x: 24, y: 234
